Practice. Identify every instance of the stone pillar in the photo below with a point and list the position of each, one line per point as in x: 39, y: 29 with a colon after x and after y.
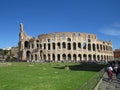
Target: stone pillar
x: 35, y: 45
x: 77, y: 46
x: 38, y: 55
x: 71, y: 46
x: 96, y: 48
x: 71, y: 57
x: 81, y: 56
x: 24, y: 55
x: 46, y: 56
x: 77, y: 57
x: 30, y: 57
x: 33, y: 57
x: 21, y: 27
x: 87, y: 57
x: 46, y: 46
x: 51, y: 59
x: 51, y: 48
x: 67, y: 57
x: 91, y: 46
x: 61, y: 57
x: 91, y: 57
x: 22, y: 45
x: 56, y: 58
x: 66, y: 46
x: 96, y: 57
x: 86, y: 47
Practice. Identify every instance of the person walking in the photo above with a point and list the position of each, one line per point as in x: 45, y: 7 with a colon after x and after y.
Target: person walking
x: 110, y: 73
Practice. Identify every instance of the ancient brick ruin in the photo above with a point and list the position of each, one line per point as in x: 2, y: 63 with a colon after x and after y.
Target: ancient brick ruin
x: 63, y: 46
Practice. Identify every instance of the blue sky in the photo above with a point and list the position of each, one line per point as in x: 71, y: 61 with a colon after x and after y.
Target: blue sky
x: 100, y: 17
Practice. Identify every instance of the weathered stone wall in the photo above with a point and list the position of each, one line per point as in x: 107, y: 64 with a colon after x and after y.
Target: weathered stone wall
x: 65, y: 46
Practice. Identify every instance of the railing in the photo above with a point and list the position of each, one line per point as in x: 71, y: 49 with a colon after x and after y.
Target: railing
x: 90, y: 84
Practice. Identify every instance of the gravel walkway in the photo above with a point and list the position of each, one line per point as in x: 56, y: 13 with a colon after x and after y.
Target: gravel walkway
x: 107, y: 85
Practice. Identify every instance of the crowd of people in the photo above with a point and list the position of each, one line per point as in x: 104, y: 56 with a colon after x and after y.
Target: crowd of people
x: 113, y: 70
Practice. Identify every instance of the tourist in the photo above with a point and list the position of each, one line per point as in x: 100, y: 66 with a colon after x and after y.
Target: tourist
x: 118, y: 73
x: 110, y: 73
x: 115, y: 69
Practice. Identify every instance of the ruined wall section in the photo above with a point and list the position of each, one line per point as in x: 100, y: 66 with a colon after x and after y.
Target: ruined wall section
x: 23, y: 43
x: 64, y: 46
x: 91, y: 39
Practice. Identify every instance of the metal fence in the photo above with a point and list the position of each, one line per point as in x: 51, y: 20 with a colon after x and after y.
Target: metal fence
x: 90, y: 84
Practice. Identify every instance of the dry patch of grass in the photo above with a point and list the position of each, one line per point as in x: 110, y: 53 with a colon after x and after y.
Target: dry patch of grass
x: 5, y: 64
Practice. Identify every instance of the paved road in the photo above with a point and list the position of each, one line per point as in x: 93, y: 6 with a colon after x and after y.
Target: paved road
x: 106, y: 85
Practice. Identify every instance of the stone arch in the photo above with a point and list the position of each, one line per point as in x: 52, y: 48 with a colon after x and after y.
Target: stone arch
x: 74, y: 46
x: 31, y: 57
x: 89, y: 57
x: 53, y: 56
x: 84, y: 45
x: 97, y: 46
x: 37, y: 41
x: 102, y: 57
x: 93, y: 47
x: 107, y: 57
x: 36, y: 57
x: 49, y: 57
x: 69, y: 46
x: 79, y: 45
x: 26, y: 44
x: 98, y: 57
x: 40, y: 46
x: 64, y: 57
x: 74, y: 57
x: 100, y: 46
x: 58, y: 57
x: 37, y: 45
x: 68, y: 39
x: 28, y: 55
x: 44, y: 45
x: 44, y: 56
x: 58, y: 45
x: 63, y: 45
x: 89, y: 47
x: 69, y: 57
x: 32, y: 45
x: 41, y: 54
x: 84, y: 57
x: 48, y: 46
x: 94, y: 57
x: 104, y: 47
x: 80, y: 57
x: 53, y: 44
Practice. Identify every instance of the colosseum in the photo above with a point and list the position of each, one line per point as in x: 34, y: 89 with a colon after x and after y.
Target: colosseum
x: 63, y: 47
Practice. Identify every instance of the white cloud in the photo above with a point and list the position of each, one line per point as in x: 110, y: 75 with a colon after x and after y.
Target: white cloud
x: 113, y: 30
x: 110, y: 31
x: 117, y: 25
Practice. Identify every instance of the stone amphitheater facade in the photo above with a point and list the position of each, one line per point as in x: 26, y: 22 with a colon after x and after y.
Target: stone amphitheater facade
x: 63, y: 46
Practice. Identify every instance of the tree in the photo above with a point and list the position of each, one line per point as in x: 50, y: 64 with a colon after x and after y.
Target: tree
x: 4, y: 53
x: 1, y: 51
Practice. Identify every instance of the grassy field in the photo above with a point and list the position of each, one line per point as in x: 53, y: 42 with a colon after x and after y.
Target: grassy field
x: 45, y: 76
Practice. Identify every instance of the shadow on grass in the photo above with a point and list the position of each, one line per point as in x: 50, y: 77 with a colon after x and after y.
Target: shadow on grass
x: 83, y: 67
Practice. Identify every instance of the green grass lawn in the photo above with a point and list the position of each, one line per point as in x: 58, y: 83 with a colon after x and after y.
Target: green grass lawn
x: 45, y: 76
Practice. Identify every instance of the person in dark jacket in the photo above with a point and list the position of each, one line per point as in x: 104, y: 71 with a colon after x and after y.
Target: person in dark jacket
x: 118, y: 72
